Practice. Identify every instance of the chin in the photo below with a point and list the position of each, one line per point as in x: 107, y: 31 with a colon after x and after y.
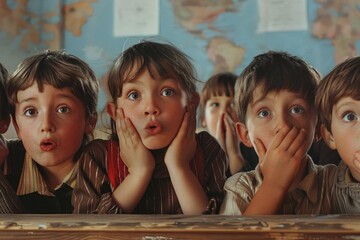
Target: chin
x: 155, y: 146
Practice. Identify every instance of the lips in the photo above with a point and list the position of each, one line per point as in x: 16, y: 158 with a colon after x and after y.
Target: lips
x: 153, y: 128
x: 47, y: 145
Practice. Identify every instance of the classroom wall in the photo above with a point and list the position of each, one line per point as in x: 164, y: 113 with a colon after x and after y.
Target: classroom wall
x: 221, y: 35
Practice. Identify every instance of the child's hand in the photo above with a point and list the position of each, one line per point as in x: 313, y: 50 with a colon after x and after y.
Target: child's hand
x: 229, y: 142
x: 182, y: 149
x: 132, y: 151
x: 281, y: 161
x: 177, y: 157
x: 4, y: 152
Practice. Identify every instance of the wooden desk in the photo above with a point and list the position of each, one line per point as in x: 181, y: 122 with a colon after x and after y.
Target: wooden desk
x: 161, y: 227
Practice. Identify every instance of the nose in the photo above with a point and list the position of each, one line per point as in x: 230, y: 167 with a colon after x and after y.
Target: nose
x: 47, y: 123
x: 282, y: 121
x: 152, y: 106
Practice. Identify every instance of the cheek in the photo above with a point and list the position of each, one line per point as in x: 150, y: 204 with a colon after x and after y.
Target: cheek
x: 264, y: 134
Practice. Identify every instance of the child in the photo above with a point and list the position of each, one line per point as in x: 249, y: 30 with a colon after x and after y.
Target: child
x: 53, y: 98
x: 218, y: 116
x: 9, y: 202
x: 158, y: 165
x: 338, y: 103
x: 275, y: 97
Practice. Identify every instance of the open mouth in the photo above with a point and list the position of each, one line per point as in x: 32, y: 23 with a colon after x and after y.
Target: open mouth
x: 153, y: 128
x: 47, y: 145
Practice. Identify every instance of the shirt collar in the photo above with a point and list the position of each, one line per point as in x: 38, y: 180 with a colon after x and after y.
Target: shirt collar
x: 31, y: 179
x: 309, y: 183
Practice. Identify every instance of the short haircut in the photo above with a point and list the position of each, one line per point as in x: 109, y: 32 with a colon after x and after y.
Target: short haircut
x: 275, y: 71
x: 342, y: 81
x: 221, y: 84
x: 60, y: 70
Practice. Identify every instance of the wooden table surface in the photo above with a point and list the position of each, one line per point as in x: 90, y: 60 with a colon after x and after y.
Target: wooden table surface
x: 151, y: 227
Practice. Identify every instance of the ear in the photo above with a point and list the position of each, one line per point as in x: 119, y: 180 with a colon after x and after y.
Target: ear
x: 328, y: 138
x: 91, y: 124
x: 4, y: 125
x: 243, y: 134
x: 111, y: 110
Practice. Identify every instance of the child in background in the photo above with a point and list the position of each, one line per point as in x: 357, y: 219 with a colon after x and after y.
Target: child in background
x: 218, y: 116
x: 53, y: 99
x: 9, y: 202
x: 338, y: 104
x: 274, y: 98
x: 155, y: 162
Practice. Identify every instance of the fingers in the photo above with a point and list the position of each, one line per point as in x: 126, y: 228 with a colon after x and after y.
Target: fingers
x: 289, y: 139
x: 127, y: 133
x: 260, y: 149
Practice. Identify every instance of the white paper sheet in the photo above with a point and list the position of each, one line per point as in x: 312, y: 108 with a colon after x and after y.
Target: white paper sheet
x: 282, y: 15
x: 136, y: 18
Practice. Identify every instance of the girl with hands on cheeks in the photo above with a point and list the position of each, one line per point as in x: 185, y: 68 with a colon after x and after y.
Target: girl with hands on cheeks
x: 155, y: 162
x: 218, y: 116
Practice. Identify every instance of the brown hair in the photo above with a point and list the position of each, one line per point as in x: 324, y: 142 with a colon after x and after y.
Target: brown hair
x: 60, y: 70
x: 221, y: 84
x: 162, y: 60
x: 342, y: 81
x: 274, y: 71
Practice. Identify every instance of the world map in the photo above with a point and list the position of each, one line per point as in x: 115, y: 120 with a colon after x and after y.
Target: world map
x: 218, y: 35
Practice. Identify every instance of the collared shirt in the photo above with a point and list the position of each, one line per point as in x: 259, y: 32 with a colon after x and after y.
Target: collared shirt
x: 324, y: 190
x: 32, y: 181
x: 25, y: 178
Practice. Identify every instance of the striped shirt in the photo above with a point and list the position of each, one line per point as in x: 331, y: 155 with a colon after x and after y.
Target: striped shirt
x: 327, y: 189
x: 9, y: 202
x: 93, y: 191
x: 25, y: 177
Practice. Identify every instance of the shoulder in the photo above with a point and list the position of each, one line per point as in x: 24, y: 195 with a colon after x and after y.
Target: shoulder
x: 244, y: 181
x: 206, y: 141
x: 96, y: 150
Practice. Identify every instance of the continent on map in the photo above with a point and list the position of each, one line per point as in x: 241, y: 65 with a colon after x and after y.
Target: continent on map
x: 338, y: 21
x: 76, y: 16
x: 39, y: 27
x: 225, y: 55
x: 191, y: 13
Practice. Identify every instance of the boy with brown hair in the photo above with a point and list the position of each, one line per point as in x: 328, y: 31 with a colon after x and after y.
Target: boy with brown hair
x: 275, y: 97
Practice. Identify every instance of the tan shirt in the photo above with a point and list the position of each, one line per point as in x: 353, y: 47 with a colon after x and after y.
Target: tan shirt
x: 324, y: 190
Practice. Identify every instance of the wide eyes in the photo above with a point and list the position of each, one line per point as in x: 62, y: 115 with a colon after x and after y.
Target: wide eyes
x: 297, y: 110
x: 349, y: 117
x: 263, y: 113
x: 168, y: 92
x: 133, y: 95
x: 29, y: 112
x: 63, y: 110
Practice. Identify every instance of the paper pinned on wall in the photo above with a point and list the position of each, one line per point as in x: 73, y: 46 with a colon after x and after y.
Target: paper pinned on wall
x: 282, y: 15
x: 136, y: 18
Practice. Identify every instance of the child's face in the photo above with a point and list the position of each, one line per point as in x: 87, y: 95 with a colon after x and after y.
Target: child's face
x: 214, y: 108
x: 51, y: 125
x: 266, y: 115
x: 345, y: 127
x: 155, y: 107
